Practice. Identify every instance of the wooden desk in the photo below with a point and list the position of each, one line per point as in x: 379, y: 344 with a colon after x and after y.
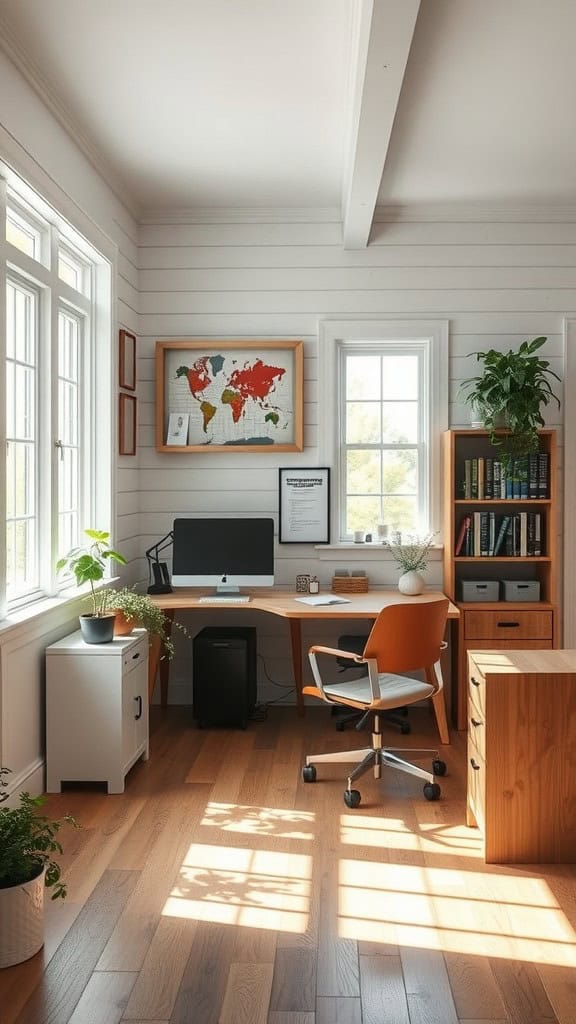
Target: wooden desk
x: 285, y: 605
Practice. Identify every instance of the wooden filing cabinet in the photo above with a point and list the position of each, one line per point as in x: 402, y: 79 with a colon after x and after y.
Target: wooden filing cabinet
x: 521, y: 755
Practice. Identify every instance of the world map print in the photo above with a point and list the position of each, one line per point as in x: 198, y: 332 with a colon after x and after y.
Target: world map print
x: 233, y: 398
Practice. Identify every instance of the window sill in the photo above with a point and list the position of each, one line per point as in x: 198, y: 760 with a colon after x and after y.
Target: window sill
x: 372, y: 552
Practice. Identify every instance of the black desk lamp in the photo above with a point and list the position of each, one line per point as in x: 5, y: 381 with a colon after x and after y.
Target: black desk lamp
x: 157, y: 570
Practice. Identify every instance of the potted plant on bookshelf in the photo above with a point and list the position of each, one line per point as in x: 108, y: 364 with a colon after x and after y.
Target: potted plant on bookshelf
x: 510, y: 394
x: 28, y: 841
x: 412, y: 559
x: 88, y: 565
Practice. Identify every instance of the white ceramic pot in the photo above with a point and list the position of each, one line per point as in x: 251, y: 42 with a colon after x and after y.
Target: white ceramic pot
x: 21, y: 921
x: 411, y: 583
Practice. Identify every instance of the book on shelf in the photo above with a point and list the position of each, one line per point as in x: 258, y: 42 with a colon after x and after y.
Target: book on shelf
x: 474, y: 483
x: 500, y: 536
x: 467, y: 478
x: 489, y: 479
x: 459, y: 547
x: 543, y: 470
x: 533, y: 475
x: 481, y: 473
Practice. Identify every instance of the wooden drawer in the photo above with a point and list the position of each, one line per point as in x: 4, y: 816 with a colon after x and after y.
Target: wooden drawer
x: 510, y: 624
x: 476, y: 692
x: 477, y: 730
x: 476, y: 784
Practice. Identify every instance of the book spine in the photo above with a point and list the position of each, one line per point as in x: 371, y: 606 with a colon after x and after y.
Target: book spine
x: 474, y: 486
x: 476, y: 533
x: 523, y: 540
x: 504, y: 524
x: 516, y: 479
x: 467, y: 478
x: 489, y: 479
x: 533, y: 475
x: 523, y: 474
x: 497, y: 473
x: 543, y: 481
x: 481, y: 475
x: 537, y: 534
x: 484, y: 536
x: 465, y: 523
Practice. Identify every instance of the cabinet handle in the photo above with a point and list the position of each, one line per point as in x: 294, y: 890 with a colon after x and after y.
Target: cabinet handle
x: 474, y: 681
x: 475, y: 722
x: 139, y: 700
x: 507, y: 625
x: 475, y: 766
x: 136, y: 656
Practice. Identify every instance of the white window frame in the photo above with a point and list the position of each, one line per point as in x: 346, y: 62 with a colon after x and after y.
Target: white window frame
x: 430, y: 337
x: 99, y: 420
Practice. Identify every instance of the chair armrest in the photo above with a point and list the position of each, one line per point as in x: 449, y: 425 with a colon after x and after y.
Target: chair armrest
x: 337, y: 653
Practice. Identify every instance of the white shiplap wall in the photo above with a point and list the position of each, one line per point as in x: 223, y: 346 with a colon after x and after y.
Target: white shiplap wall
x: 497, y: 282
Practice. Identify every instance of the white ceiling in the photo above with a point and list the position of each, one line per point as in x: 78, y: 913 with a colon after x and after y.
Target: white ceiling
x: 290, y: 103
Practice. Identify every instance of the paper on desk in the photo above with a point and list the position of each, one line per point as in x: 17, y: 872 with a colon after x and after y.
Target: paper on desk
x: 323, y: 599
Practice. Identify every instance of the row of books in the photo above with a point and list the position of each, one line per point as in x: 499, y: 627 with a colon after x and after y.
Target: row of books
x: 525, y: 479
x: 484, y: 534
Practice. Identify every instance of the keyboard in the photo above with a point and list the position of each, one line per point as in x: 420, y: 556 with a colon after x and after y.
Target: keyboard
x: 225, y: 599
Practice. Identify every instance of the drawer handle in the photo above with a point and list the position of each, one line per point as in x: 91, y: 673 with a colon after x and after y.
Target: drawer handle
x: 507, y: 625
x: 136, y: 656
x: 139, y: 702
x: 475, y: 766
x: 475, y: 722
x: 474, y: 681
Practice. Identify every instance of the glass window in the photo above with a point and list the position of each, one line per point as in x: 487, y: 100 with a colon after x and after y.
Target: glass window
x: 23, y: 234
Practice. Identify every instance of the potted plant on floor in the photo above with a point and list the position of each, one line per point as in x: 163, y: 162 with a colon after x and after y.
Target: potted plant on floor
x: 88, y: 565
x: 27, y: 842
x: 510, y: 394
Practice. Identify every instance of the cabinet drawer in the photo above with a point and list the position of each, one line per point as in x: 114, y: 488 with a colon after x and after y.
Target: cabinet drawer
x: 134, y: 656
x: 476, y: 693
x: 509, y: 624
x: 477, y: 730
x: 476, y: 784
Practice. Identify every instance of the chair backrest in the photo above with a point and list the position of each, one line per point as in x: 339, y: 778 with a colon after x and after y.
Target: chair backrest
x: 406, y: 637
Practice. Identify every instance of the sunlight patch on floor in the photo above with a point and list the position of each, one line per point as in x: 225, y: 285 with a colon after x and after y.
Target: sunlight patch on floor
x: 396, y: 834
x: 252, y: 888
x: 484, y: 914
x: 263, y: 821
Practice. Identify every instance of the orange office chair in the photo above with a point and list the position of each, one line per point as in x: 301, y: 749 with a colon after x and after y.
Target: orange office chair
x: 405, y: 638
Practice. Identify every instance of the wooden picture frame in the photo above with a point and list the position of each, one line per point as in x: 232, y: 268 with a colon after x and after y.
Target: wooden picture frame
x: 127, y: 368
x: 127, y: 424
x: 304, y: 505
x: 244, y: 396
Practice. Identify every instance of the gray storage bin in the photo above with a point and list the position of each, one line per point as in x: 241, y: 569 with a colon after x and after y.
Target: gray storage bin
x: 521, y: 590
x: 480, y: 590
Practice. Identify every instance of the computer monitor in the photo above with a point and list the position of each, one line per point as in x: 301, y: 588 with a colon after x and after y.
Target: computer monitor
x: 223, y: 553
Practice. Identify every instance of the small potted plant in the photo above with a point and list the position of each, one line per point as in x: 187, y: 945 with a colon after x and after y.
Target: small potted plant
x: 27, y: 842
x: 510, y: 393
x: 411, y: 556
x: 133, y: 609
x: 88, y: 565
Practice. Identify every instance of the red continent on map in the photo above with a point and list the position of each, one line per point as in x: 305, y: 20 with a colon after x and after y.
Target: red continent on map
x: 198, y: 376
x: 255, y: 381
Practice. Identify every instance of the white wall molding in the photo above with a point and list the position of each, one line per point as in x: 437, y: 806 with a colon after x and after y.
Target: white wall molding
x: 243, y: 215
x: 489, y: 213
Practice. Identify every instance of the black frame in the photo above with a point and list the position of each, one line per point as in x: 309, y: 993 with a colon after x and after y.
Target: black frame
x: 323, y: 532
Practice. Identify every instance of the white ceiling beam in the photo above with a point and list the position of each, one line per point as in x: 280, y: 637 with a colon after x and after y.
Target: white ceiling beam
x: 384, y: 36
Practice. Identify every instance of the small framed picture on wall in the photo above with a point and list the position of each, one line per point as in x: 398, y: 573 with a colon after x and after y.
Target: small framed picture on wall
x: 127, y: 370
x: 127, y: 425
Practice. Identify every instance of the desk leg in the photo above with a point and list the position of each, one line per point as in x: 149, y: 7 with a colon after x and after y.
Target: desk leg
x: 296, y: 642
x: 165, y: 663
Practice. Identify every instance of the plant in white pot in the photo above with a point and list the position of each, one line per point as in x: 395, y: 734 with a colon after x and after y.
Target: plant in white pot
x: 411, y: 556
x: 88, y: 565
x: 27, y: 842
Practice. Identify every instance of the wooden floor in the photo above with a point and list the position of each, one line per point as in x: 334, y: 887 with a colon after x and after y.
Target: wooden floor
x: 221, y: 889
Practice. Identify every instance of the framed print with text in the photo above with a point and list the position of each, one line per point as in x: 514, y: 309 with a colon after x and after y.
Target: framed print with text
x: 127, y: 369
x: 127, y: 425
x: 236, y: 395
x: 304, y: 505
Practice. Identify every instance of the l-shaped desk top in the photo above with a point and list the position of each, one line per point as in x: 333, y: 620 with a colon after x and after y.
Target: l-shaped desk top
x: 286, y: 605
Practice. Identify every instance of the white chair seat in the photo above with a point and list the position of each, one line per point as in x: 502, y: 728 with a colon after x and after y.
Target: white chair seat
x: 395, y: 691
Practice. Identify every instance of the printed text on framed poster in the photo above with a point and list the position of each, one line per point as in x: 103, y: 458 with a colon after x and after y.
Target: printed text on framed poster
x: 236, y: 394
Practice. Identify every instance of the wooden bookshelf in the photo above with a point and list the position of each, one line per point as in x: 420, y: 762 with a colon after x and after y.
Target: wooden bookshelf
x: 499, y: 624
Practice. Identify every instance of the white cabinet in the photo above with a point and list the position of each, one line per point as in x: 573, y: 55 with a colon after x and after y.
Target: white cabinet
x: 96, y: 710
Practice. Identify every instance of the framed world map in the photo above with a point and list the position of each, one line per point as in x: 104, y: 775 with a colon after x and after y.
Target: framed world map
x: 246, y: 395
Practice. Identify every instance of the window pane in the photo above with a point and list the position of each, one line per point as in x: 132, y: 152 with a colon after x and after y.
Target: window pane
x: 72, y: 270
x: 69, y: 419
x: 363, y: 513
x: 400, y: 513
x: 400, y: 377
x: 362, y: 377
x: 362, y: 422
x: 399, y: 469
x: 364, y: 474
x: 400, y: 422
x: 23, y: 235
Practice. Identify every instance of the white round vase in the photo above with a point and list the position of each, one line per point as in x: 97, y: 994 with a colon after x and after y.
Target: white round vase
x: 411, y: 583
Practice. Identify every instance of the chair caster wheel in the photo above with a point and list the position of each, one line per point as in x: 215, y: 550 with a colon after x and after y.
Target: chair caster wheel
x: 405, y: 728
x: 432, y: 791
x: 352, y: 798
x: 439, y: 767
x: 309, y: 773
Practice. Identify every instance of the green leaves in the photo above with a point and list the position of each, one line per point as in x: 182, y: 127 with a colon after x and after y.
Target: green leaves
x: 27, y: 842
x: 88, y: 565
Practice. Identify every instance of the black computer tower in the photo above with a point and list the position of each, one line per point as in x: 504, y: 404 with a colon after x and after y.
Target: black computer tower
x: 224, y: 675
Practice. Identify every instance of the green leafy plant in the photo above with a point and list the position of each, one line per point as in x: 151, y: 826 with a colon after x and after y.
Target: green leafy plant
x: 88, y: 565
x: 27, y: 841
x: 514, y: 385
x: 138, y: 608
x: 412, y: 555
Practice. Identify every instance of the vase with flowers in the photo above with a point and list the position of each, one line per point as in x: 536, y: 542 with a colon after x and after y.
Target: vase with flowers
x: 411, y: 556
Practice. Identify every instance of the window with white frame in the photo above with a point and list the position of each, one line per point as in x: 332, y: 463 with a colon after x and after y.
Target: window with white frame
x: 389, y: 383
x: 56, y: 370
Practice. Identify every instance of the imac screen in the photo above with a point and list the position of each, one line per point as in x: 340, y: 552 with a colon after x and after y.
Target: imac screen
x: 209, y: 552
